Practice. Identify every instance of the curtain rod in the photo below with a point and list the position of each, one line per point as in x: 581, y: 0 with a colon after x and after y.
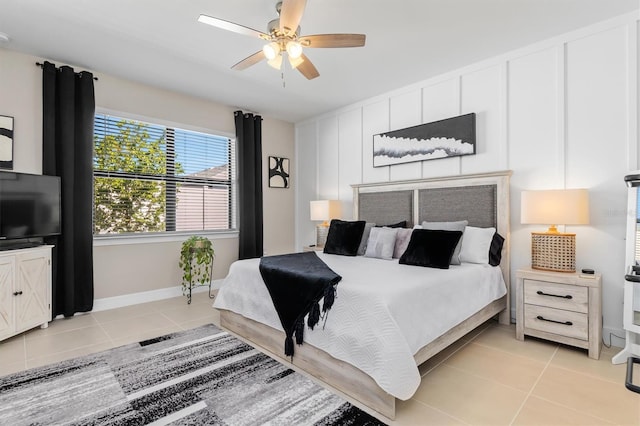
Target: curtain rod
x: 41, y: 65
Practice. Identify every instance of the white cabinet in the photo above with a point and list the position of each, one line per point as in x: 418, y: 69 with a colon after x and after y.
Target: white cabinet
x: 560, y: 306
x: 25, y: 290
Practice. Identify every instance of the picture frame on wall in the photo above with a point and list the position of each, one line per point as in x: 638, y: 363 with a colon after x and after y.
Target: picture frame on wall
x: 451, y: 137
x: 278, y: 172
x: 6, y: 142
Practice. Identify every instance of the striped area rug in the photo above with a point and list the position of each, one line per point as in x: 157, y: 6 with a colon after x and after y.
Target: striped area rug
x: 202, y: 376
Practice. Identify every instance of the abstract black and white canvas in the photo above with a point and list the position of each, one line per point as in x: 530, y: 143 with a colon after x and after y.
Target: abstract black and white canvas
x: 278, y: 172
x: 6, y: 142
x: 450, y: 137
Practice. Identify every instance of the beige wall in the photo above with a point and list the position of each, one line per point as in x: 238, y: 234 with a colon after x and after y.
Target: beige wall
x: 121, y: 269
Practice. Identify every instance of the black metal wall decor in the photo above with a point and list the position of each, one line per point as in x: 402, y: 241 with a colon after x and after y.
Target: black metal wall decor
x: 450, y: 137
x: 6, y: 142
x: 278, y: 172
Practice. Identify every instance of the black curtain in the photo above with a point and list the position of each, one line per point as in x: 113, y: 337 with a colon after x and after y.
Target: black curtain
x: 67, y: 151
x: 249, y: 143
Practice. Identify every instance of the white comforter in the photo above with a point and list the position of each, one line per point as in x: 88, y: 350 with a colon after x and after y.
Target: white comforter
x: 383, y: 314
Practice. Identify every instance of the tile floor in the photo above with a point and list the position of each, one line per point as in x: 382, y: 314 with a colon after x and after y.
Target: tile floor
x: 486, y: 378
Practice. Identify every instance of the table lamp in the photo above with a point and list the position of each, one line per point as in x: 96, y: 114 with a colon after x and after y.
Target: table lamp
x: 323, y: 210
x: 552, y: 250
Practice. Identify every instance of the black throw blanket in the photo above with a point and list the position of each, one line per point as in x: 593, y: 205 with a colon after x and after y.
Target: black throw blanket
x: 296, y: 283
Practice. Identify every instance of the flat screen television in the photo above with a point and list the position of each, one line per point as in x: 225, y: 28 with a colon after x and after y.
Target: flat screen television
x: 29, y: 205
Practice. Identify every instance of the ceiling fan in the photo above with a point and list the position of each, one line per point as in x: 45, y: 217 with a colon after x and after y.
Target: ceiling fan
x: 283, y: 36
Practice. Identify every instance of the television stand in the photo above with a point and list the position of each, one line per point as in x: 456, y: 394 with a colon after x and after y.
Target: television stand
x: 26, y: 281
x: 20, y: 244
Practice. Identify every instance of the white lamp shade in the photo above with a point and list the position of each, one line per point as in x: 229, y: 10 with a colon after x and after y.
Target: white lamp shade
x: 324, y: 210
x: 275, y: 62
x: 295, y: 62
x: 294, y: 49
x: 271, y: 50
x: 555, y: 207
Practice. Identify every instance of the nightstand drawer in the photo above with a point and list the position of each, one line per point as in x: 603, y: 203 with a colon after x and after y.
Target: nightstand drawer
x: 556, y: 321
x: 554, y: 295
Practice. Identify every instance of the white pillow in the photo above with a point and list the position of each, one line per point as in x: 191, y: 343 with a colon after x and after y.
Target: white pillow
x: 402, y: 242
x: 381, y: 243
x: 475, y: 244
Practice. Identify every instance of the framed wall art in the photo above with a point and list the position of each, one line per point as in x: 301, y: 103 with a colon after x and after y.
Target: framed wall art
x: 278, y: 172
x: 450, y: 137
x: 6, y: 142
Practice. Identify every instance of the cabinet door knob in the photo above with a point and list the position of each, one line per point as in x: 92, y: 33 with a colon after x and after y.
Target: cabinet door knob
x: 17, y: 293
x: 542, y: 293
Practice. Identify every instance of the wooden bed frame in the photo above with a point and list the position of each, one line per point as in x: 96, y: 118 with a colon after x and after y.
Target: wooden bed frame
x: 346, y: 380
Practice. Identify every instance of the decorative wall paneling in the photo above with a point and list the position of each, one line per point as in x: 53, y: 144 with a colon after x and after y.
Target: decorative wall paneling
x: 350, y: 157
x: 306, y: 166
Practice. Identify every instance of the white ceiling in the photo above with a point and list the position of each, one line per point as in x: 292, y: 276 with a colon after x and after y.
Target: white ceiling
x: 159, y: 42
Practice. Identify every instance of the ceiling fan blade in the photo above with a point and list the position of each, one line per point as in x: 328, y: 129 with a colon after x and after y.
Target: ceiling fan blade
x: 231, y: 26
x: 248, y: 61
x: 307, y: 69
x: 290, y: 15
x: 333, y: 40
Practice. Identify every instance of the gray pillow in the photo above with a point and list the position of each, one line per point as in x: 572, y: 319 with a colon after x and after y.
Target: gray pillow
x: 362, y: 248
x: 381, y: 243
x: 449, y: 226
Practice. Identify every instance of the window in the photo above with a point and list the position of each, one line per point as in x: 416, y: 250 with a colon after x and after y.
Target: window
x: 150, y: 178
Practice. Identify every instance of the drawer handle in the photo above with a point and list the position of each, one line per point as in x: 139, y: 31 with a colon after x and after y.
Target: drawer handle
x: 541, y: 318
x: 17, y: 293
x: 542, y: 293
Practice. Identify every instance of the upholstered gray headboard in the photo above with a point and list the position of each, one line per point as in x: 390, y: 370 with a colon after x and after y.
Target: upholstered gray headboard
x: 384, y: 208
x: 477, y: 204
x: 482, y: 199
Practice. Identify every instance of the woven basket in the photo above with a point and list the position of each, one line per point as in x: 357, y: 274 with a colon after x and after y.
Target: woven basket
x: 553, y: 252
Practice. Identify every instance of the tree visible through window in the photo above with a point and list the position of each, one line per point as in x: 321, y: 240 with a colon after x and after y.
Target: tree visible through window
x: 150, y: 178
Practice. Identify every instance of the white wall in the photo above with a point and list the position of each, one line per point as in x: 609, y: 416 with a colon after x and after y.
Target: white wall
x: 559, y: 114
x: 126, y: 268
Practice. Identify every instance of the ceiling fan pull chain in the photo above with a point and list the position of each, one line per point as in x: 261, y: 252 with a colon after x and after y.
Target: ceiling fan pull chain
x: 283, y: 82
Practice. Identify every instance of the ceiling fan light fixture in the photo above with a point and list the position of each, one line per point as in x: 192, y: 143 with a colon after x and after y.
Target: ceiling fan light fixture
x: 295, y: 62
x: 275, y: 62
x: 271, y: 50
x: 281, y: 39
x: 294, y: 49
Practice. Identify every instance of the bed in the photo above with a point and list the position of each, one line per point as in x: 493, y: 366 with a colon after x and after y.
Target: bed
x: 394, y: 333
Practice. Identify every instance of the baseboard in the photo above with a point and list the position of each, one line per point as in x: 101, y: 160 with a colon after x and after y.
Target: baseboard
x: 146, y: 296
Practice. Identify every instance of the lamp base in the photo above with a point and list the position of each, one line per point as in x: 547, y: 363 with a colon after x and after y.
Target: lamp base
x: 321, y: 235
x: 553, y: 251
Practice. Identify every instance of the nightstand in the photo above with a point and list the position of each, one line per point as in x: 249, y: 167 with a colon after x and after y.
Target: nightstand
x: 560, y: 306
x: 313, y: 248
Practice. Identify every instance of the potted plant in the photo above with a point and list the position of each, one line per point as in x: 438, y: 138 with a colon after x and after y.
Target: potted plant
x: 196, y: 261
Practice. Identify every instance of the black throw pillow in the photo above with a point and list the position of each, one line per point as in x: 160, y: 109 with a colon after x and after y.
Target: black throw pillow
x: 495, y: 249
x: 401, y: 224
x: 431, y: 248
x: 344, y: 237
